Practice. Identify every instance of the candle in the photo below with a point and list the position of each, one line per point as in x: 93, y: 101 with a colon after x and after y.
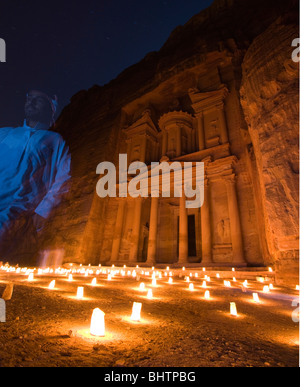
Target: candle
x: 80, y: 292
x: 233, y: 310
x: 52, y: 284
x: 149, y: 294
x: 142, y: 286
x: 136, y: 311
x: 97, y: 327
x: 255, y: 297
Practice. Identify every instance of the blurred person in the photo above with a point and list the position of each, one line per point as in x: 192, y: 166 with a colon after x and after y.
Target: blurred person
x: 34, y: 174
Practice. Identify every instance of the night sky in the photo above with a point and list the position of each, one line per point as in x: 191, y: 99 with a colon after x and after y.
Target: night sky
x: 61, y: 47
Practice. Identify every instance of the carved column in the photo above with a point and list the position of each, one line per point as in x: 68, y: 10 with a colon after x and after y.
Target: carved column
x: 152, y: 242
x: 235, y: 224
x: 118, y: 232
x: 223, y: 124
x: 183, y: 231
x: 136, y: 226
x: 205, y: 226
x: 164, y: 143
x: 201, y: 142
x: 178, y: 142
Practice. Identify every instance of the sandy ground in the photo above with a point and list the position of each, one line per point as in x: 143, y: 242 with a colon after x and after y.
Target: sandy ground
x: 178, y: 327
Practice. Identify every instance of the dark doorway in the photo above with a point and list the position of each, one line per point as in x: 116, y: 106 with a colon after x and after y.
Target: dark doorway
x: 192, y: 236
x: 192, y: 252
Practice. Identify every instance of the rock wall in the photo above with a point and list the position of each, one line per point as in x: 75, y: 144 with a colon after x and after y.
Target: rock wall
x: 270, y: 100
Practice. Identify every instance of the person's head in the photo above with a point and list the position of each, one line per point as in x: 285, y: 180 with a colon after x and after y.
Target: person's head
x: 39, y: 107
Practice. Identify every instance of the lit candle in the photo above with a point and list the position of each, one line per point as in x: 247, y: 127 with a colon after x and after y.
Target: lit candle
x: 142, y: 286
x: 297, y: 287
x: 204, y: 284
x: 136, y: 311
x: 191, y: 286
x: 154, y: 282
x: 52, y: 284
x: 30, y: 277
x: 80, y: 292
x: 270, y: 269
x: 149, y: 294
x: 255, y: 297
x: 170, y: 281
x: 97, y: 327
x: 245, y: 283
x: 109, y: 277
x: 94, y: 282
x: 206, y: 294
x: 218, y: 275
x: 233, y: 310
x: 266, y: 289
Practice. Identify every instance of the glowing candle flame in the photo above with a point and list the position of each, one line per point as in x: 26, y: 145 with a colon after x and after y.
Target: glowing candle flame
x: 207, y: 295
x: 94, y: 282
x: 297, y: 287
x: 233, y: 269
x: 218, y: 275
x: 203, y: 269
x: 271, y: 286
x: 266, y: 289
x: 234, y: 279
x: 154, y: 282
x: 70, y: 278
x: 109, y: 277
x: 142, y: 286
x: 170, y: 281
x: 270, y: 269
x: 150, y: 293
x: 245, y: 283
x: 136, y: 311
x: 233, y: 310
x: 97, y: 327
x: 204, y: 284
x: 30, y: 277
x: 187, y: 279
x: 80, y: 292
x: 191, y: 286
x: 255, y: 297
x: 52, y: 284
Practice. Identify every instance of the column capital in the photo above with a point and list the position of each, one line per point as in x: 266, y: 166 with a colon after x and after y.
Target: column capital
x: 220, y: 106
x: 230, y: 180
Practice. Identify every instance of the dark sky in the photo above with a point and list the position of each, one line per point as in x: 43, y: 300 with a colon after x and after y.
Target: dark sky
x: 65, y: 46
